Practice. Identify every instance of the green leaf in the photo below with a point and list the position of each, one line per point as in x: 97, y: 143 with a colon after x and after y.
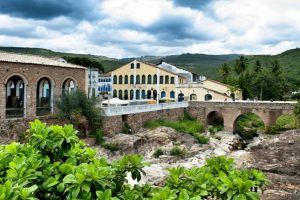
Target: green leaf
x: 253, y: 195
x: 60, y: 187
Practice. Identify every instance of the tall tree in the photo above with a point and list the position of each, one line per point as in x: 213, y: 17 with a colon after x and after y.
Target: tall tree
x: 257, y: 67
x: 224, y: 71
x: 241, y: 65
x: 276, y: 68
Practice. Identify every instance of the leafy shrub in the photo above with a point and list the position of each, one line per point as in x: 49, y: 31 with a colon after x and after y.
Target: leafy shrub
x: 176, y: 151
x: 201, y: 138
x: 55, y: 165
x: 286, y: 122
x: 272, y: 130
x: 99, y: 136
x: 158, y: 152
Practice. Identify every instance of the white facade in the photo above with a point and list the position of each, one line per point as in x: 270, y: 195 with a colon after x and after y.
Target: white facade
x: 93, y: 82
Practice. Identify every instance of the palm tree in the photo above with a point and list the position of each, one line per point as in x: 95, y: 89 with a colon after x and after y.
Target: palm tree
x: 241, y: 65
x: 276, y: 68
x: 257, y: 67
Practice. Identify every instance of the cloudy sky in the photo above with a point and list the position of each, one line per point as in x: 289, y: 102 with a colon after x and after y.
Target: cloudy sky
x: 126, y: 28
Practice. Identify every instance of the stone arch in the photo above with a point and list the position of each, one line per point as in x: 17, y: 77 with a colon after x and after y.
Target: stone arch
x: 248, y: 134
x: 215, y: 118
x: 25, y: 79
x: 15, y: 96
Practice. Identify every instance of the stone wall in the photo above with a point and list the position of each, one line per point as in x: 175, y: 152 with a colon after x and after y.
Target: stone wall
x: 31, y: 74
x: 113, y: 124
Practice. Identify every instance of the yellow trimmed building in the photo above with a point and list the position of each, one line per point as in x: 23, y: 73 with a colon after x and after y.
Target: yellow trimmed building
x: 139, y: 80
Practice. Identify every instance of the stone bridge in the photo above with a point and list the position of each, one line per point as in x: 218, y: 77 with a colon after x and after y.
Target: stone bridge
x: 225, y: 112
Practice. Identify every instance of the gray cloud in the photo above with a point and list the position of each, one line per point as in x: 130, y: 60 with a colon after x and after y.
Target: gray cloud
x: 193, y: 4
x: 48, y: 9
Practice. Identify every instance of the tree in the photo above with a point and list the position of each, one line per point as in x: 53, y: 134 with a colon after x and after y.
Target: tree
x: 84, y: 61
x: 224, y: 71
x: 241, y: 65
x: 276, y: 68
x: 257, y: 67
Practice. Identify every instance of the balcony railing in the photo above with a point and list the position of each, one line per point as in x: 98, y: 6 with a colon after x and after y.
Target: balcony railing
x: 14, y: 112
x: 124, y: 110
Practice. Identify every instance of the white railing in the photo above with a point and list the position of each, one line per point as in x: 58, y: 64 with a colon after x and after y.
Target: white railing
x: 124, y: 110
x: 250, y: 101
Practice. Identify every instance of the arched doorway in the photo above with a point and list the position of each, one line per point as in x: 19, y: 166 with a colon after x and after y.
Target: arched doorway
x: 232, y: 96
x: 126, y: 94
x: 43, y: 97
x: 154, y: 94
x: 180, y: 97
x: 215, y: 121
x: 15, y: 97
x: 69, y: 86
x: 193, y: 97
x: 120, y: 94
x: 208, y: 97
x: 149, y: 94
x: 248, y: 125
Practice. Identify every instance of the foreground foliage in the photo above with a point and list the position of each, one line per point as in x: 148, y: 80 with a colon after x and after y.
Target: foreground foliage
x: 55, y: 164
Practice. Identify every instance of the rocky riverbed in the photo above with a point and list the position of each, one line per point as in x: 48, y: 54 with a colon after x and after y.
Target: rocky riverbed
x: 278, y: 156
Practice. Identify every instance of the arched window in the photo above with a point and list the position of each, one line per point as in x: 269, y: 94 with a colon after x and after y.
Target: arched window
x: 155, y: 79
x: 149, y: 94
x: 115, y: 94
x: 120, y: 94
x: 166, y: 79
x: 193, y: 97
x: 132, y: 65
x: 172, y: 80
x: 126, y: 94
x: 137, y: 94
x: 115, y: 79
x: 43, y: 97
x: 143, y: 94
x: 161, y: 80
x: 69, y: 86
x: 180, y: 97
x: 163, y: 94
x: 131, y: 79
x: 120, y: 79
x: 207, y: 97
x: 154, y: 94
x: 126, y: 79
x: 143, y: 79
x: 15, y: 97
x: 137, y: 81
x: 138, y: 66
x: 149, y: 80
x: 131, y: 94
x: 172, y: 94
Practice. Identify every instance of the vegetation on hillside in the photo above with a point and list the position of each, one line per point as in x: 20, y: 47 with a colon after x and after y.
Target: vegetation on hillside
x: 257, y: 80
x: 84, y: 61
x: 55, y: 165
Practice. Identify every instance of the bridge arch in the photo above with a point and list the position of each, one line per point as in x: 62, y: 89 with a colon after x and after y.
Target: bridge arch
x: 215, y: 118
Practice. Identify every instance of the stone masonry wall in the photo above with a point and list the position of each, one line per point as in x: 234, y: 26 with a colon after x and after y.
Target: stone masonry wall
x: 113, y: 124
x: 31, y: 74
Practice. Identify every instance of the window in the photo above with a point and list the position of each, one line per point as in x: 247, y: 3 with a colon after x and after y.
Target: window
x: 163, y: 94
x: 138, y: 66
x: 137, y: 81
x: 114, y: 93
x: 126, y: 79
x: 131, y: 94
x: 161, y: 80
x: 149, y: 79
x: 149, y: 94
x: 131, y: 79
x: 120, y: 79
x: 120, y: 94
x: 137, y: 94
x: 207, y: 97
x: 126, y: 94
x: 166, y: 79
x: 193, y: 97
x: 143, y: 94
x: 143, y: 79
x: 43, y: 97
x: 132, y: 65
x: 115, y: 79
x: 172, y: 94
x: 180, y: 97
x: 155, y: 79
x: 15, y: 97
x: 172, y: 80
x: 69, y: 86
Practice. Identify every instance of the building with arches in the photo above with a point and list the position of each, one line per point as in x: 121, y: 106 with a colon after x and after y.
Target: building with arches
x: 30, y: 85
x: 139, y: 80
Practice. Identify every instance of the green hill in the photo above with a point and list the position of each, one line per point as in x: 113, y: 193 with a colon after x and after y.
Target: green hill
x: 201, y: 64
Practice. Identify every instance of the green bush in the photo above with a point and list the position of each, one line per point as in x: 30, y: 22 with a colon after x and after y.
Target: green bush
x: 55, y: 165
x: 286, y: 122
x: 158, y: 152
x: 78, y: 104
x: 201, y: 138
x: 126, y: 128
x: 110, y: 146
x: 176, y: 151
x: 99, y: 136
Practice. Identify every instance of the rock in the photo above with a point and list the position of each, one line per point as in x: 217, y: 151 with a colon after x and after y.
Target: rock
x: 126, y: 143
